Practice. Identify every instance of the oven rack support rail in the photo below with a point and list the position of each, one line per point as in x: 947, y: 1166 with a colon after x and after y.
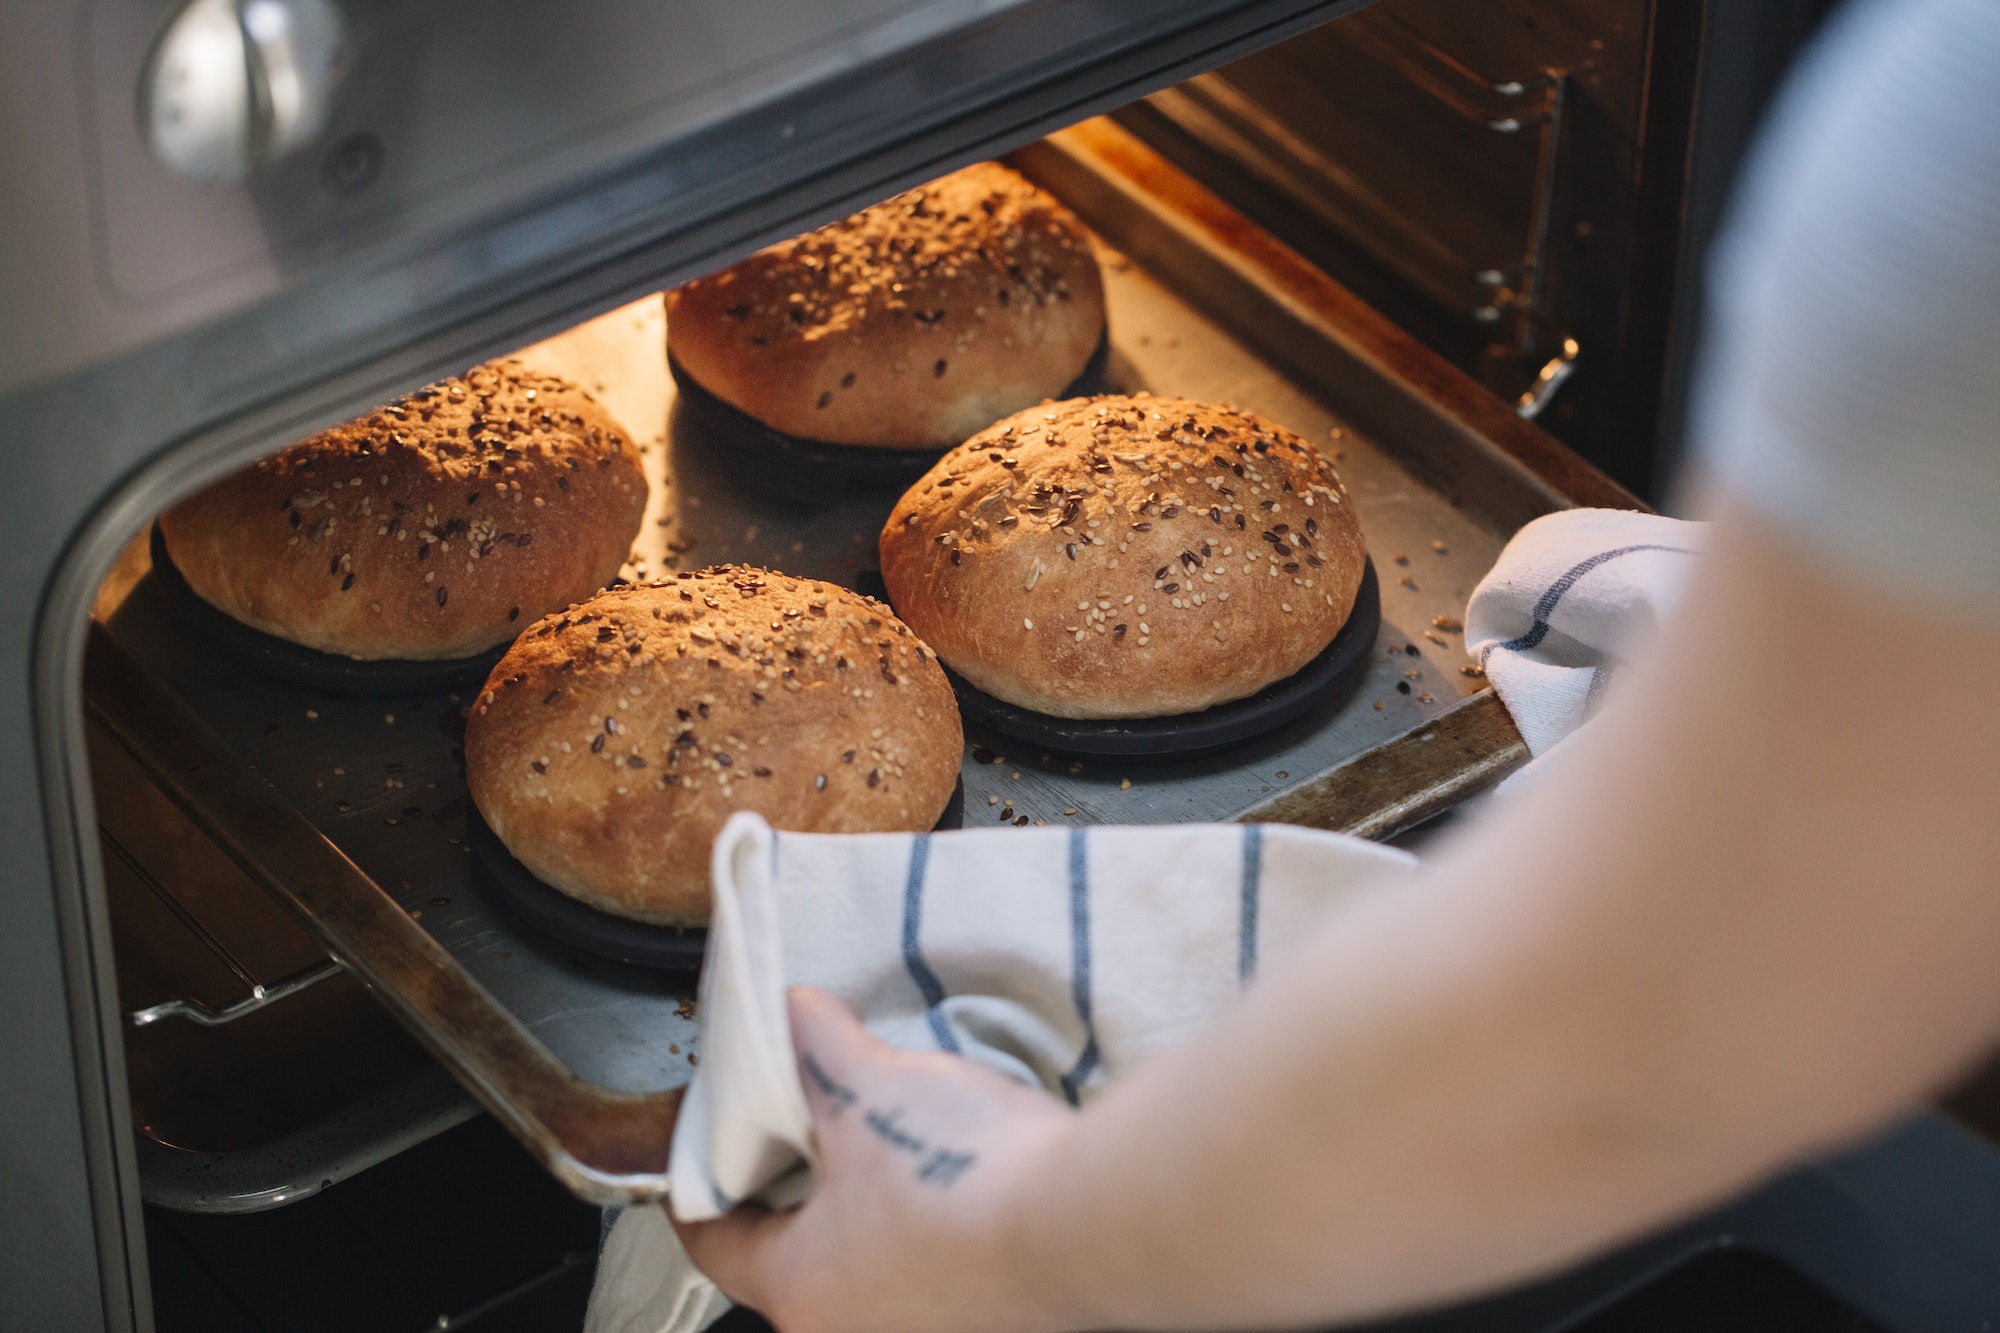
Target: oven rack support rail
x: 215, y: 1016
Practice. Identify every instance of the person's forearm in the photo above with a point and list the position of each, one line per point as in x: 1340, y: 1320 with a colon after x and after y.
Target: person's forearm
x: 1646, y: 985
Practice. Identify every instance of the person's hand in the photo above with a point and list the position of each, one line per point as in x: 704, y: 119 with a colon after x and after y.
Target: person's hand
x: 916, y: 1220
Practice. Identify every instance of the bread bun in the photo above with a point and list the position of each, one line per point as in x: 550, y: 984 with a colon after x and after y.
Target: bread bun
x: 907, y: 326
x: 434, y: 528
x: 1125, y: 557
x: 613, y: 740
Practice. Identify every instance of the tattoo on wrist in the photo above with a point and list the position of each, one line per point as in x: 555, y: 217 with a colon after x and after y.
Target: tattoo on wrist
x: 840, y: 1094
x: 943, y: 1167
x: 936, y: 1164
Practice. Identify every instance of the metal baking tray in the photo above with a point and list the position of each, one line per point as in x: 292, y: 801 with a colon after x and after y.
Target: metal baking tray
x: 352, y: 811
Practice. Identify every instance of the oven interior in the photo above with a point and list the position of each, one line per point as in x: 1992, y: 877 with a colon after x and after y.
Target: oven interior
x: 1520, y: 188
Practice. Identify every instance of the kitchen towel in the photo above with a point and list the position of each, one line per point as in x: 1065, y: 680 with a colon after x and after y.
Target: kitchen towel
x: 1571, y: 597
x: 1058, y: 956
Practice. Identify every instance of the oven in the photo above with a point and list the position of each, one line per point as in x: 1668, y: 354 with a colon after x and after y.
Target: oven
x: 250, y: 972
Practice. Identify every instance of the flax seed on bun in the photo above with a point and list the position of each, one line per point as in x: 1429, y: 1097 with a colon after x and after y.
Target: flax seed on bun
x: 1124, y: 557
x: 907, y: 326
x: 434, y: 528
x: 614, y: 739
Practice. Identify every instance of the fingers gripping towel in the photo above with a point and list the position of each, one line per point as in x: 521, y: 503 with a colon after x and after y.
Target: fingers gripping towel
x: 1058, y: 956
x: 1568, y: 598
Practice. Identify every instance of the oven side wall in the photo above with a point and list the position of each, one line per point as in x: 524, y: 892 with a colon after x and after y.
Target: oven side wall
x: 54, y: 1095
x: 70, y: 1257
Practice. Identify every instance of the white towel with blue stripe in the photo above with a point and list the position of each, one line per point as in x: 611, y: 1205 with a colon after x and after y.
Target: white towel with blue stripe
x: 1058, y: 956
x: 1572, y: 596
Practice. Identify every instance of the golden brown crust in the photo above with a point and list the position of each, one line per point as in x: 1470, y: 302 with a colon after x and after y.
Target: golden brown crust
x: 613, y: 740
x: 436, y: 527
x: 907, y: 326
x: 1126, y: 557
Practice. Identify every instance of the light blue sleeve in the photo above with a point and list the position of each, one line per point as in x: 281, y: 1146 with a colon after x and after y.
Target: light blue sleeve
x: 1849, y: 383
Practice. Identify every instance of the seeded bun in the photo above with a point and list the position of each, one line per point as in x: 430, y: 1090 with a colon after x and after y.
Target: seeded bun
x: 1125, y: 557
x: 907, y: 326
x: 613, y: 740
x: 434, y: 528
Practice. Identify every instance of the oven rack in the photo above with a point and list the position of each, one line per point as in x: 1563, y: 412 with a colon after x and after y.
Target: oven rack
x: 351, y: 812
x: 266, y: 1072
x: 257, y: 994
x: 260, y: 995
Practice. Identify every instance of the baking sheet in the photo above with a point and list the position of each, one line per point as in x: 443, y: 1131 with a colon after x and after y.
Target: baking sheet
x: 381, y: 777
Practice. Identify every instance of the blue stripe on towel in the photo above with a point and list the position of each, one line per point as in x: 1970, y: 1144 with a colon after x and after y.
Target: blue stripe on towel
x: 913, y: 956
x: 1079, y: 934
x: 605, y: 1222
x: 1557, y: 590
x: 1253, y: 874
